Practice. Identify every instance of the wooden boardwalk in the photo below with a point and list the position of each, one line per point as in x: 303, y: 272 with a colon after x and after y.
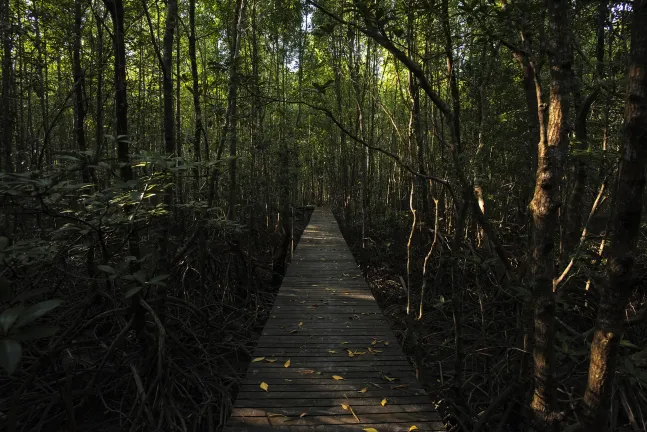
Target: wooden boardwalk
x: 327, y: 359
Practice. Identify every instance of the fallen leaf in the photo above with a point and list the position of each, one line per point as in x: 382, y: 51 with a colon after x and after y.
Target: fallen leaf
x: 305, y: 371
x: 350, y: 408
x: 386, y: 343
x: 400, y: 386
x: 364, y: 390
x: 301, y: 324
x: 332, y: 351
x: 287, y: 364
x: 303, y: 414
x: 383, y: 403
x: 270, y: 360
x: 388, y: 378
x: 337, y: 377
x: 257, y: 359
x: 270, y: 415
x: 264, y: 386
x: 369, y: 430
x: 412, y: 428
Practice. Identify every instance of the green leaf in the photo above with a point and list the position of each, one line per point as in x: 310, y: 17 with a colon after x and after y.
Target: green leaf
x: 36, y: 311
x: 9, y: 316
x: 140, y: 276
x: 5, y: 289
x: 131, y: 292
x: 10, y: 353
x: 157, y: 279
x: 626, y: 343
x: 36, y: 332
x: 107, y: 269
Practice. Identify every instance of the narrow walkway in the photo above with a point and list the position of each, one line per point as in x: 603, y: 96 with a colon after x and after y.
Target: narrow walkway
x: 327, y: 360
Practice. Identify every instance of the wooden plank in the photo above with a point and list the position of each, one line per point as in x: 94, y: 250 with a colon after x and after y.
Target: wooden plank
x: 323, y: 310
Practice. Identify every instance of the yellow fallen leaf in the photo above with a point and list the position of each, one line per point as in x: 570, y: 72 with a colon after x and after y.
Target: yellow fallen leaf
x: 369, y: 430
x: 364, y: 390
x: 303, y: 414
x: 350, y: 408
x: 337, y: 377
x: 332, y: 351
x: 270, y: 360
x: 388, y: 378
x: 257, y: 359
x: 383, y: 403
x: 287, y: 363
x: 264, y: 386
x: 386, y: 343
x: 412, y: 428
x: 301, y: 324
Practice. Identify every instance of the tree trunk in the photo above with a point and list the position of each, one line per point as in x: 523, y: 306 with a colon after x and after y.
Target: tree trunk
x: 7, y: 97
x: 116, y: 9
x: 199, y: 129
x: 626, y: 226
x: 233, y: 95
x: 553, y: 147
x: 79, y: 89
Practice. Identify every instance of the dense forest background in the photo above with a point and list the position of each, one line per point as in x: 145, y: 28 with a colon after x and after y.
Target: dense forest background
x: 485, y: 159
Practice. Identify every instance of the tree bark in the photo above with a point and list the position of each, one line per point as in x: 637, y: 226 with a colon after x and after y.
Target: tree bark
x: 233, y: 96
x: 79, y: 89
x: 199, y: 129
x: 626, y: 225
x: 7, y: 97
x: 545, y: 209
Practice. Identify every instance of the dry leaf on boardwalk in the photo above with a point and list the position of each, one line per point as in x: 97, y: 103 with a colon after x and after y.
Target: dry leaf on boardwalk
x: 264, y: 386
x: 350, y: 408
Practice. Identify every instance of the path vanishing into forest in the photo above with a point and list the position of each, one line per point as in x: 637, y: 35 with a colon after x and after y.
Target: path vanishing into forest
x: 327, y: 359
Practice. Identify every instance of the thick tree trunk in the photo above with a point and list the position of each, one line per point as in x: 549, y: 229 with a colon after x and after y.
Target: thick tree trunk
x: 233, y: 96
x: 79, y: 88
x: 199, y: 129
x: 7, y: 97
x: 545, y: 207
x: 626, y: 226
x: 116, y: 9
